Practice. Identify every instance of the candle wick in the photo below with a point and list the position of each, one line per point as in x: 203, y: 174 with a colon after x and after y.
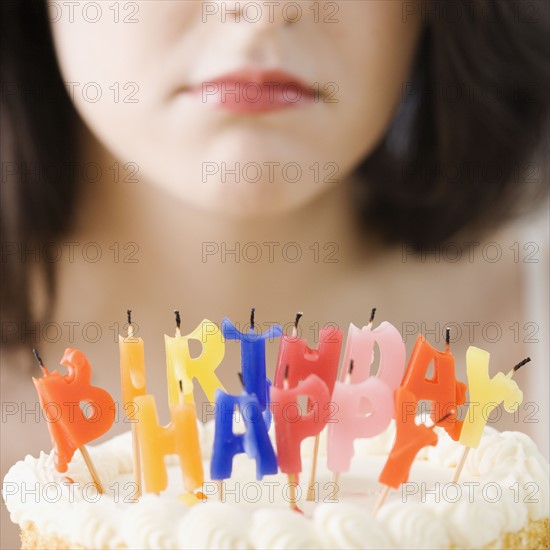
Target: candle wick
x: 180, y: 385
x: 371, y: 318
x: 240, y: 375
x: 39, y: 361
x: 521, y: 364
x: 129, y: 316
x: 178, y: 318
x: 350, y: 371
x: 252, y: 312
x: 447, y: 338
x: 444, y: 418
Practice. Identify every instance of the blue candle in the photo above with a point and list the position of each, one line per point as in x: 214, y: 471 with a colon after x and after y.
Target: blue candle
x: 253, y: 357
x: 254, y: 441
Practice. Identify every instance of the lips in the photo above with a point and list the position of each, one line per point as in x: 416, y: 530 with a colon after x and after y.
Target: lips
x: 254, y: 91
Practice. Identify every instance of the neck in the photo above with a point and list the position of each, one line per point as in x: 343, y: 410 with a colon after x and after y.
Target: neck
x: 218, y: 255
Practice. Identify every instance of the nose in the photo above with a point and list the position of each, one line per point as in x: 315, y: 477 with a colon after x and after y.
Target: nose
x: 260, y: 13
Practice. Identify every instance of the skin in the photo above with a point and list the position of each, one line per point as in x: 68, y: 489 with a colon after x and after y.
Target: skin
x: 178, y: 44
x: 171, y: 215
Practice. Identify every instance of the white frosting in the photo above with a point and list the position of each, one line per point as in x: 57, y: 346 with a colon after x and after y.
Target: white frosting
x: 427, y: 512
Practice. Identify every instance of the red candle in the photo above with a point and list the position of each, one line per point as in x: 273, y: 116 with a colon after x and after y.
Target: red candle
x: 443, y: 389
x: 304, y: 360
x: 410, y: 438
x: 60, y: 397
x: 291, y: 427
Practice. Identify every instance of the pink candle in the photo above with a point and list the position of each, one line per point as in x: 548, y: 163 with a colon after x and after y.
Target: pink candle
x: 360, y: 348
x: 291, y: 427
x: 349, y: 423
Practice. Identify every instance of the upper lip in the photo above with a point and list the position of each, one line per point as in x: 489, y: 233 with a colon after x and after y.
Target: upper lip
x: 262, y: 77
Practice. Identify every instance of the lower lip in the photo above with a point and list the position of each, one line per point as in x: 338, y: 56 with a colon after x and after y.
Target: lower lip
x: 253, y: 97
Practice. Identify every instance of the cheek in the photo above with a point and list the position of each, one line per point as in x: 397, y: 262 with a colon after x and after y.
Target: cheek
x: 376, y: 58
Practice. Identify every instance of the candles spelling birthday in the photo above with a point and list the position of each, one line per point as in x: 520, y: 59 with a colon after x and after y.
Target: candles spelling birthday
x: 181, y: 367
x: 305, y: 361
x: 69, y: 426
x: 443, y: 390
x: 360, y: 347
x: 485, y: 395
x: 132, y: 373
x: 253, y: 356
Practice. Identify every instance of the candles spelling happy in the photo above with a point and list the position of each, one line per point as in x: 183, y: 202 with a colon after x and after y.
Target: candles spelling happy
x: 61, y: 397
x: 349, y: 423
x: 409, y: 439
x: 180, y: 437
x: 292, y: 427
x: 305, y: 361
x: 254, y: 441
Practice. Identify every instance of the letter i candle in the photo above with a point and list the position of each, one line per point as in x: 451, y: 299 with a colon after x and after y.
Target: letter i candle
x: 132, y: 374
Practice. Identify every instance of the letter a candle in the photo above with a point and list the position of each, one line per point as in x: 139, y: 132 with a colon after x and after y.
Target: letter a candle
x: 70, y: 429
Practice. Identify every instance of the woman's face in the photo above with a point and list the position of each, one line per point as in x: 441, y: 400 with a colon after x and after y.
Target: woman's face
x: 246, y: 112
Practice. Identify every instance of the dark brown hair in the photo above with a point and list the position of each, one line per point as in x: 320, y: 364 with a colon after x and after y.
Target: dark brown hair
x: 456, y: 154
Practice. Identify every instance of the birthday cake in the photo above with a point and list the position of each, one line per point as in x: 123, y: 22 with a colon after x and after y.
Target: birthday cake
x: 502, y: 501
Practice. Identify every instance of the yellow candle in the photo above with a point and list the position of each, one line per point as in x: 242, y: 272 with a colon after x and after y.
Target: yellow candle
x: 485, y: 395
x: 180, y: 366
x: 132, y: 371
x: 179, y: 437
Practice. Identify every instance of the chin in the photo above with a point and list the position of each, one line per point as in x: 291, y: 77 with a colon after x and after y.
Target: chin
x: 251, y: 202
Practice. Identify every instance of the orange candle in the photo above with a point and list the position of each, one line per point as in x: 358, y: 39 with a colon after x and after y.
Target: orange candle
x: 179, y: 437
x: 60, y: 397
x: 443, y: 389
x: 410, y: 438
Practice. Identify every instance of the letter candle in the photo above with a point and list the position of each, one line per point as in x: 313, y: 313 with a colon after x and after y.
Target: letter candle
x: 487, y: 393
x: 290, y: 432
x: 444, y: 391
x: 253, y: 356
x: 360, y: 347
x: 70, y: 429
x: 254, y: 441
x: 132, y: 373
x: 349, y: 424
x: 181, y: 367
x: 179, y: 437
x: 305, y: 361
x: 410, y: 438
